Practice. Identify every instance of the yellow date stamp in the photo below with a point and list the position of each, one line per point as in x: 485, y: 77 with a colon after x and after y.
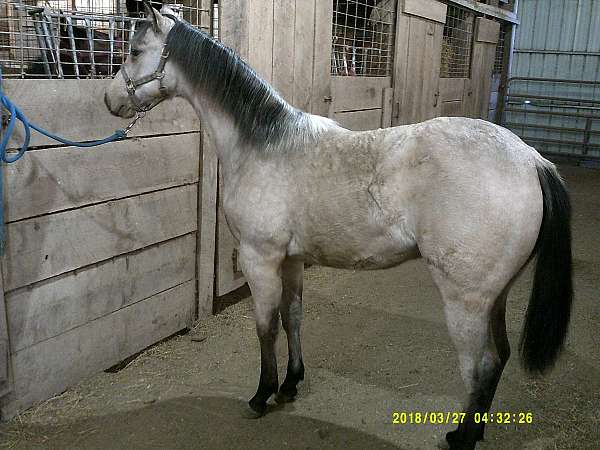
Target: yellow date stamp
x: 456, y: 418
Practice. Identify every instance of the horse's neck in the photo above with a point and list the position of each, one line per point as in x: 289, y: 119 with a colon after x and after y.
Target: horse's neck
x: 220, y: 127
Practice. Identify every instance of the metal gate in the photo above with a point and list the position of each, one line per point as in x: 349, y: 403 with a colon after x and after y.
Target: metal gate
x: 553, y: 101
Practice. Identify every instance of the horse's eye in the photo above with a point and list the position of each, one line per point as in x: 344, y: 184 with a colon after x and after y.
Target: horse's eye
x: 135, y: 52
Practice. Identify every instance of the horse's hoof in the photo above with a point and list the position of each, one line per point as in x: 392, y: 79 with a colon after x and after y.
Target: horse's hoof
x: 285, y: 397
x: 254, y: 411
x: 456, y: 441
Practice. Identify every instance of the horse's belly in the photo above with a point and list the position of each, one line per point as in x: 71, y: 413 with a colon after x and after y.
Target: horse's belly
x: 351, y: 253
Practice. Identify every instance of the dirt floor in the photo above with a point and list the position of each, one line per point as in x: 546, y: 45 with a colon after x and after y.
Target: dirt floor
x: 374, y: 343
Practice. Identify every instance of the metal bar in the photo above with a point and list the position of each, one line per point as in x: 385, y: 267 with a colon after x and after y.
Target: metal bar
x: 55, y: 46
x: 548, y: 97
x: 557, y: 52
x: 545, y: 127
x: 551, y: 105
x: 73, y: 45
x: 558, y: 142
x: 587, y: 136
x: 111, y: 38
x: 551, y: 113
x: 90, y: 36
x: 42, y: 44
x: 553, y: 80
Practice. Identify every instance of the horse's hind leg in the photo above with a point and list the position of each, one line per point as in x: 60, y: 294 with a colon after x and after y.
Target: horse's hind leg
x: 291, y: 317
x: 263, y: 272
x: 476, y: 325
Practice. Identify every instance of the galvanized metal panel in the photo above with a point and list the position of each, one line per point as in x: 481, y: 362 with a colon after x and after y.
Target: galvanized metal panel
x: 557, y: 39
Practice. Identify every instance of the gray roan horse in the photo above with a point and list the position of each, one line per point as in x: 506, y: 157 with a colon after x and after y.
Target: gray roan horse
x: 468, y: 196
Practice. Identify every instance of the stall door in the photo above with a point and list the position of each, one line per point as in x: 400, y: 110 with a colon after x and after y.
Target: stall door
x: 362, y: 54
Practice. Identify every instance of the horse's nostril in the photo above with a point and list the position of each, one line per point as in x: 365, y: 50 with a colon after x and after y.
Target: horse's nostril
x: 106, y: 101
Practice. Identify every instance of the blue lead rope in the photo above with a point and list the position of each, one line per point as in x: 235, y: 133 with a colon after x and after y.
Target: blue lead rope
x: 17, y: 114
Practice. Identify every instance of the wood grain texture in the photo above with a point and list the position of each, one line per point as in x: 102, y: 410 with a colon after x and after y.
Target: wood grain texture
x: 233, y: 29
x: 487, y: 30
x: 452, y: 89
x: 207, y: 228
x: 360, y: 120
x: 357, y: 93
x: 5, y: 382
x: 426, y: 9
x: 284, y: 20
x: 228, y: 275
x: 74, y: 299
x: 46, y: 246
x: 321, y: 89
x: 83, y: 115
x: 304, y: 38
x: 260, y: 36
x: 452, y: 109
x: 388, y: 99
x: 401, y: 67
x: 53, y: 365
x: 478, y: 88
x: 56, y: 179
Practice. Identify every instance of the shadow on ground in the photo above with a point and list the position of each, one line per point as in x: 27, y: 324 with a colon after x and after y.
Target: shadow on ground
x: 207, y: 422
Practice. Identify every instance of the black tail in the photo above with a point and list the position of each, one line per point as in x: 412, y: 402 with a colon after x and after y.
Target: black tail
x: 549, y: 309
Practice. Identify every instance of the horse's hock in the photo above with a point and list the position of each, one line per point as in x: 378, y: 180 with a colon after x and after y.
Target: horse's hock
x: 112, y: 249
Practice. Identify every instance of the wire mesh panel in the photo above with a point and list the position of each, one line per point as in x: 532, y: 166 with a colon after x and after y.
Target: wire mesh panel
x: 77, y: 38
x: 363, y: 37
x: 457, y: 43
x: 500, y: 50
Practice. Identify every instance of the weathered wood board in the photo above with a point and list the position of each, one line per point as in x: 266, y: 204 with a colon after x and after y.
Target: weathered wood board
x: 87, y: 118
x: 426, y: 9
x: 358, y: 93
x: 56, y: 179
x: 52, y: 365
x: 63, y: 303
x: 47, y: 246
x: 207, y: 227
x: 369, y: 119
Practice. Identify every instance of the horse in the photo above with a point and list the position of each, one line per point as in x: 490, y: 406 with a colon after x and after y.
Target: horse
x: 77, y: 53
x: 468, y: 196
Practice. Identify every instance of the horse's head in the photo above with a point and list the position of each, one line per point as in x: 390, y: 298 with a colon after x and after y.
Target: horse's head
x: 145, y: 78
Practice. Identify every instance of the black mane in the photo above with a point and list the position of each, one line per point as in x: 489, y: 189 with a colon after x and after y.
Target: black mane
x: 259, y: 112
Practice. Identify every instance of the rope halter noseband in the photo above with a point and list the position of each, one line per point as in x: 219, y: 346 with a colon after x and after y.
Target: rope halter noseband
x: 159, y: 74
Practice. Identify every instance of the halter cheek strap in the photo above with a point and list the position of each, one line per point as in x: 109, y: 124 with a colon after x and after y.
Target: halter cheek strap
x: 159, y: 74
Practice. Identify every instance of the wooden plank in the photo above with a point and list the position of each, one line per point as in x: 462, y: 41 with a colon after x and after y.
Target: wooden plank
x: 493, y: 11
x: 452, y: 89
x: 431, y: 86
x: 487, y: 30
x: 228, y: 274
x: 233, y: 21
x: 51, y: 308
x: 53, y: 365
x: 83, y: 115
x: 401, y: 67
x: 207, y: 228
x: 478, y: 89
x: 356, y: 93
x: 46, y: 246
x: 452, y: 109
x: 386, y: 116
x: 260, y: 35
x: 304, y: 37
x: 360, y: 120
x: 284, y: 18
x: 427, y: 9
x: 61, y: 178
x: 321, y: 91
x: 5, y: 381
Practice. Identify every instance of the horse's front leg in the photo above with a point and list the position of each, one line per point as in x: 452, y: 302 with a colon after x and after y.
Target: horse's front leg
x: 262, y: 268
x: 291, y: 318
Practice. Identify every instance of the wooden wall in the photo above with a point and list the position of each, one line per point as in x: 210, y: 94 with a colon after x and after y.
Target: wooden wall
x: 102, y: 243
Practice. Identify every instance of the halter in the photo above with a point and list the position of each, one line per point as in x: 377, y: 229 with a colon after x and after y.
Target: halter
x: 158, y: 74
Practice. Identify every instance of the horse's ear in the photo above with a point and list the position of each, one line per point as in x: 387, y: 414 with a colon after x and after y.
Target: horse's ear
x: 153, y: 16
